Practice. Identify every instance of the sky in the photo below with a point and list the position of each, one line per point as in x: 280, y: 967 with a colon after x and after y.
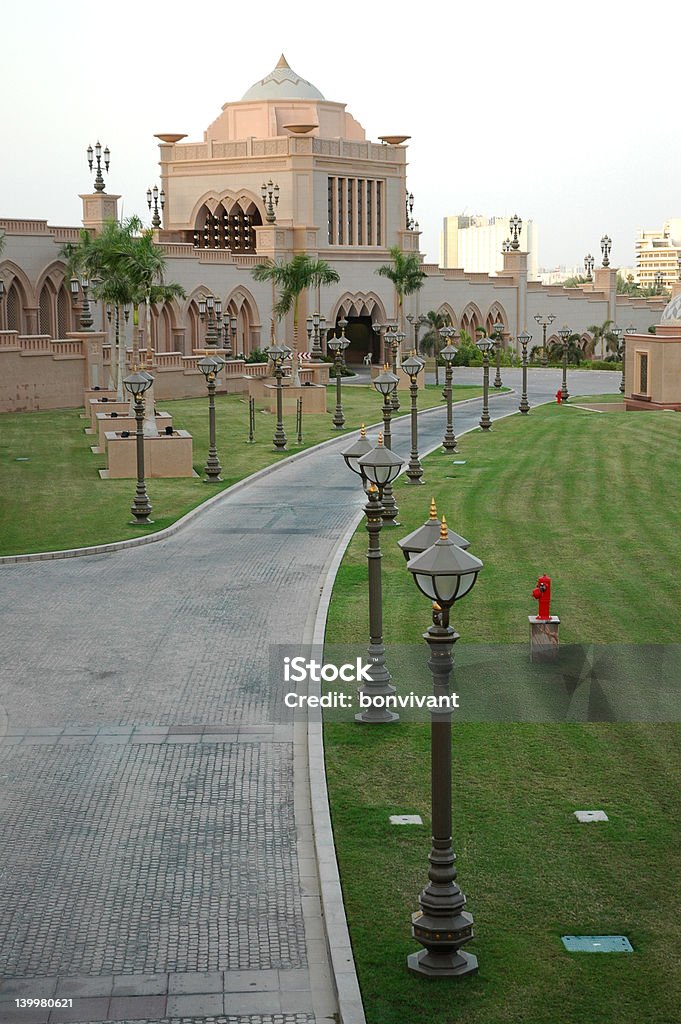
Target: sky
x: 565, y: 115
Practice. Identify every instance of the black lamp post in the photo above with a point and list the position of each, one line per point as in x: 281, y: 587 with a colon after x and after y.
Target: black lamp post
x: 208, y: 307
x: 156, y: 199
x: 544, y: 321
x: 630, y: 330
x: 498, y: 334
x: 618, y: 332
x: 659, y: 278
x: 412, y: 366
x: 417, y: 322
x: 589, y: 263
x: 377, y: 467
x: 99, y: 180
x: 338, y: 347
x: 425, y: 536
x: 448, y: 355
x: 86, y: 321
x: 315, y: 326
x: 210, y: 367
x: 444, y: 573
x: 385, y: 384
x: 515, y: 225
x: 606, y: 246
x: 485, y: 344
x: 396, y: 339
x: 136, y: 384
x: 277, y: 354
x: 524, y: 338
x: 564, y: 335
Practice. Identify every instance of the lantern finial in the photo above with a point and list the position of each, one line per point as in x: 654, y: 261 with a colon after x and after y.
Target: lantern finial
x: 443, y: 529
x: 433, y: 509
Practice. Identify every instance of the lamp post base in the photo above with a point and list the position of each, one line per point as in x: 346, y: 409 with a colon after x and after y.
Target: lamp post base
x: 449, y: 965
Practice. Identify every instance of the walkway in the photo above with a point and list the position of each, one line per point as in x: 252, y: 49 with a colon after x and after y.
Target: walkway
x: 154, y: 864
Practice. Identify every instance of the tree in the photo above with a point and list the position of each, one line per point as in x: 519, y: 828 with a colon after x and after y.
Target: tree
x: 292, y: 277
x: 406, y: 275
x: 575, y: 353
x: 430, y: 342
x: 576, y: 281
x: 601, y: 333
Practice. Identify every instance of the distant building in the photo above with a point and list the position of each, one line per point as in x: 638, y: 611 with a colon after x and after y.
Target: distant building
x: 657, y: 252
x: 475, y: 243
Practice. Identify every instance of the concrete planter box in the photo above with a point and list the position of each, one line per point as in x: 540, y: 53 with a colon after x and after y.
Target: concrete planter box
x: 314, y: 398
x: 96, y: 405
x: 164, y: 456
x: 106, y: 423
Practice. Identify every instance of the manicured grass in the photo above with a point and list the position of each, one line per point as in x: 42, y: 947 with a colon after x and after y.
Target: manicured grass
x: 591, y: 500
x: 57, y: 500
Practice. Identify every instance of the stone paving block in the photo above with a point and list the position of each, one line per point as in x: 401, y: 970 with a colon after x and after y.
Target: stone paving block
x: 83, y: 1009
x: 200, y: 1005
x: 252, y: 981
x: 137, y: 1007
x: 245, y: 1003
x: 290, y: 981
x: 195, y: 981
x: 97, y: 985
x: 295, y: 1001
x: 26, y: 988
x: 140, y: 984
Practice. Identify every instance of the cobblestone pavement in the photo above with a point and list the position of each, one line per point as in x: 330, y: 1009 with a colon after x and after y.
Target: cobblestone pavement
x: 149, y: 859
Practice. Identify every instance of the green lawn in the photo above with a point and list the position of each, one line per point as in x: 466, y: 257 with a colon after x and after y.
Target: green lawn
x: 57, y: 500
x: 591, y: 499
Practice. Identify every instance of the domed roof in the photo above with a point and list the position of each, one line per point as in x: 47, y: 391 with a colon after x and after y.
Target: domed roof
x: 282, y: 83
x: 672, y: 311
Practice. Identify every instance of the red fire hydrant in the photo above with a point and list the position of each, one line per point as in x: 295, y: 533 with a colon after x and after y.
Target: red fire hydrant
x: 542, y: 593
x: 559, y: 396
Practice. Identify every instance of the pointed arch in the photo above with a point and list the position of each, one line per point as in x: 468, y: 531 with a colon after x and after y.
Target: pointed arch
x: 358, y: 304
x: 447, y: 312
x: 471, y: 319
x: 496, y: 313
x: 241, y: 304
x: 226, y: 220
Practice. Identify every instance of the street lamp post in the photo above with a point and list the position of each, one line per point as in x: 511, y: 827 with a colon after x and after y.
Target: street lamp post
x: 659, y: 278
x: 136, y: 384
x: 397, y: 337
x: 485, y: 344
x: 156, y: 199
x: 629, y: 331
x: 544, y: 321
x: 618, y: 332
x: 99, y: 180
x: 208, y: 305
x: 385, y: 384
x: 210, y: 367
x: 269, y: 193
x: 589, y: 263
x: 338, y: 346
x: 498, y: 336
x: 412, y: 367
x: 516, y: 225
x: 276, y: 354
x: 564, y: 335
x: 606, y: 246
x: 377, y: 467
x: 448, y: 354
x: 524, y: 338
x: 417, y: 322
x: 444, y: 573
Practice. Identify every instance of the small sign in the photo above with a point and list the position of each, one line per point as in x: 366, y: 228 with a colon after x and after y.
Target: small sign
x: 585, y: 816
x: 406, y: 819
x: 597, y: 944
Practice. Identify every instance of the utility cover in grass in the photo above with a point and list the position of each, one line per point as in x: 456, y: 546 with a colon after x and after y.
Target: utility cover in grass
x: 597, y: 944
x: 406, y: 819
x: 585, y: 816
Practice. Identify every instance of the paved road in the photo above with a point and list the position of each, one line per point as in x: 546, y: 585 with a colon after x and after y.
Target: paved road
x: 153, y: 865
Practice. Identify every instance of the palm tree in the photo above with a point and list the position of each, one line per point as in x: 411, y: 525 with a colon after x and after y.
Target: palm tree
x: 575, y: 353
x: 292, y: 278
x: 601, y: 333
x: 430, y: 342
x: 406, y: 275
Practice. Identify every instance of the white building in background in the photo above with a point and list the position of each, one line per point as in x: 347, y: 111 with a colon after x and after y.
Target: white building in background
x: 474, y: 243
x: 657, y: 252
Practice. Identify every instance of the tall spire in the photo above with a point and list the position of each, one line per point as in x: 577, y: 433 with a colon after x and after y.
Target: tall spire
x: 283, y: 63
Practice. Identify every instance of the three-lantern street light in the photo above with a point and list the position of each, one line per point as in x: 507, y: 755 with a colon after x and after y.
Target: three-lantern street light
x: 338, y: 347
x: 618, y: 332
x: 229, y: 326
x: 544, y: 321
x: 413, y: 366
x: 86, y: 321
x: 498, y: 335
x: 210, y: 308
x: 447, y: 355
x: 316, y: 325
x: 444, y: 573
x: 277, y: 354
x: 385, y: 383
x: 606, y: 246
x: 524, y: 338
x: 136, y: 384
x: 485, y: 344
x: 396, y: 338
x: 515, y: 225
x: 377, y: 467
x: 417, y: 321
x: 210, y: 367
x: 269, y: 193
x: 564, y: 335
x: 154, y: 200
x: 99, y: 180
x: 589, y: 263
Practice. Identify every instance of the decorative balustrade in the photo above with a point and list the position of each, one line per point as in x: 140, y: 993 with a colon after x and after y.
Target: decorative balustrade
x: 67, y: 348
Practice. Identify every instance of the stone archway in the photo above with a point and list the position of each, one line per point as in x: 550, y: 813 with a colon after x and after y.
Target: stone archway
x: 362, y: 310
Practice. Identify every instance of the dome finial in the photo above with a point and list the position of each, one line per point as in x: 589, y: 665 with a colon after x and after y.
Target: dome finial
x: 283, y: 63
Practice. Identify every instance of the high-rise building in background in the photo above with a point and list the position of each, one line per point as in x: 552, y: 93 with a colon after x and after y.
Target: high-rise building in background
x: 474, y: 243
x: 657, y: 252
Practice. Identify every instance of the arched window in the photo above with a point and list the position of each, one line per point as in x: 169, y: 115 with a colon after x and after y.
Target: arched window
x: 14, y: 309
x: 63, y: 312
x: 45, y: 324
x: 227, y: 229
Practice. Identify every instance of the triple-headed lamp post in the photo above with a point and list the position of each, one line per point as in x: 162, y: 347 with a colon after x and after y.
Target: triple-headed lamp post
x: 277, y: 354
x: 412, y: 366
x: 524, y: 338
x: 377, y: 467
x: 629, y: 331
x: 498, y: 335
x: 136, y: 384
x: 485, y: 344
x: 385, y: 384
x: 338, y: 347
x: 210, y: 367
x: 544, y: 321
x: 444, y: 573
x: 448, y: 355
